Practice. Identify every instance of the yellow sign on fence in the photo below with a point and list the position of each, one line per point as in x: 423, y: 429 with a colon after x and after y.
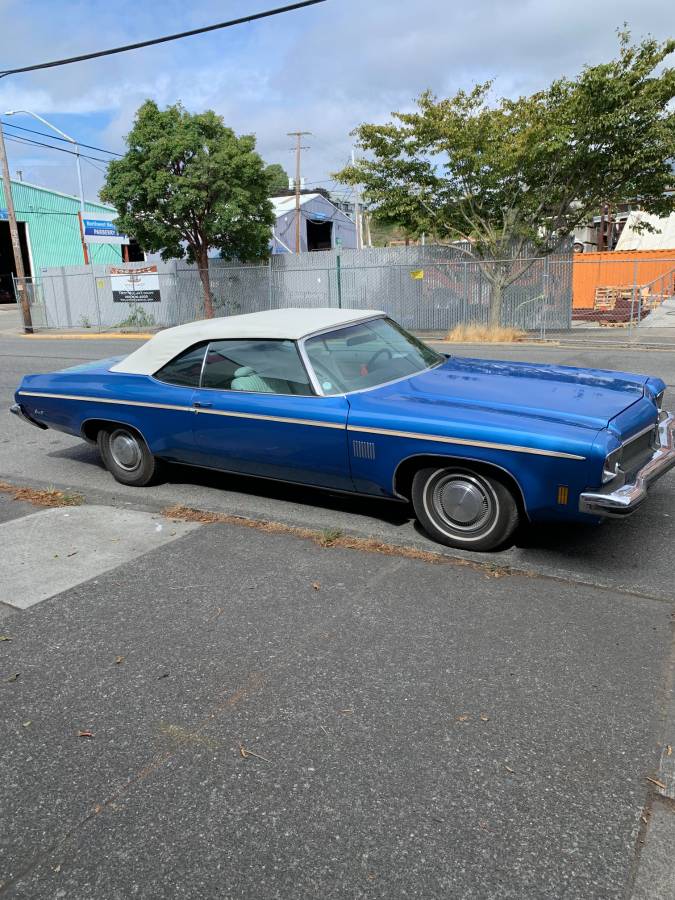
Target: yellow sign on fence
x: 417, y: 274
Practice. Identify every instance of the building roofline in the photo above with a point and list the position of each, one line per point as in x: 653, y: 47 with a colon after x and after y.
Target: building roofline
x: 46, y: 190
x: 305, y: 198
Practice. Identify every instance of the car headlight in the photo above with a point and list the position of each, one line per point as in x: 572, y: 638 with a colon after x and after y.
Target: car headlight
x: 611, y: 467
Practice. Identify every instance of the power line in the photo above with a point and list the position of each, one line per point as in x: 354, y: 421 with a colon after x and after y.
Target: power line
x: 161, y: 40
x: 94, y: 166
x: 30, y: 141
x: 55, y: 137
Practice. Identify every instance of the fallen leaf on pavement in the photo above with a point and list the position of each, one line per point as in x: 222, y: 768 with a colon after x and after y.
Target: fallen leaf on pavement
x: 657, y: 782
x: 164, y: 675
x: 316, y: 585
x: 27, y: 724
x: 244, y: 753
x: 86, y: 734
x: 484, y: 718
x: 73, y: 553
x: 14, y: 677
x: 462, y: 718
x: 669, y: 750
x: 5, y: 637
x: 508, y: 768
x: 119, y: 659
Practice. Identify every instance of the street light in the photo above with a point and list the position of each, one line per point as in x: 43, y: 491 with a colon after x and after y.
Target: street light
x: 26, y: 112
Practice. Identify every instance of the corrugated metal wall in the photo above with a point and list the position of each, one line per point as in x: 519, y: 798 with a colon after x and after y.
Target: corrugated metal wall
x: 53, y: 227
x: 617, y: 269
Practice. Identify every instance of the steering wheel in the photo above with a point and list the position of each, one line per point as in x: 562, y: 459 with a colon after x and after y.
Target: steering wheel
x: 377, y: 353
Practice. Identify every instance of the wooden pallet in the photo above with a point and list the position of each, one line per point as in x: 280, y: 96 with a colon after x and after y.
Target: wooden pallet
x: 607, y: 296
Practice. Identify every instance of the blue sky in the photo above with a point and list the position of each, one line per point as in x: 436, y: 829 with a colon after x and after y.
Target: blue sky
x: 324, y: 69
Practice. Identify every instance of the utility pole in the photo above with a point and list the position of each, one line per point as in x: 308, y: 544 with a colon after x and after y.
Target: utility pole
x: 357, y: 213
x: 298, y: 135
x: 20, y: 280
x: 27, y: 112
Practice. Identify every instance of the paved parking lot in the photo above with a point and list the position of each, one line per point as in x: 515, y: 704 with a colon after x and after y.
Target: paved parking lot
x: 273, y: 718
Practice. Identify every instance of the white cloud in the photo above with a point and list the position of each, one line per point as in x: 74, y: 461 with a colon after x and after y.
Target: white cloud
x: 325, y: 69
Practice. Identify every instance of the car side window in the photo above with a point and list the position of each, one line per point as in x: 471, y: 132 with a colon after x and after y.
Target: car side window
x: 184, y: 369
x: 265, y: 367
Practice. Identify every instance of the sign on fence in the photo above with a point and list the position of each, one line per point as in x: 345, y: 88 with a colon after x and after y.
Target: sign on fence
x: 135, y: 285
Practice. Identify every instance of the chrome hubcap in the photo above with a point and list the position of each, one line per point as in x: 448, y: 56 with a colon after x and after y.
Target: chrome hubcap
x: 125, y: 451
x: 462, y: 501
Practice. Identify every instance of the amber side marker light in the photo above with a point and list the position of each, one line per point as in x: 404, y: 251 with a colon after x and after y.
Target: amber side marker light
x: 563, y: 494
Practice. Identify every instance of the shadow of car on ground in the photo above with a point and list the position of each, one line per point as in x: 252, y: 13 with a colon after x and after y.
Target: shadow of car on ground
x: 613, y: 541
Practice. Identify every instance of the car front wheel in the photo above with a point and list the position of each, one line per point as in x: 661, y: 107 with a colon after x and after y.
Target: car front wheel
x: 126, y: 456
x: 461, y: 507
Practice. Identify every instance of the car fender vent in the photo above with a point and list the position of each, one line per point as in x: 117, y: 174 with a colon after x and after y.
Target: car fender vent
x: 363, y: 449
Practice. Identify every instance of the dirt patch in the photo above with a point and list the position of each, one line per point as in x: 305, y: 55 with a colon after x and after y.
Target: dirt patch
x: 48, y: 497
x: 481, y: 334
x: 333, y: 538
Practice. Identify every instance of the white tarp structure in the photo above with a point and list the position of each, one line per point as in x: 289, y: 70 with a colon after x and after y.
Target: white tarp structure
x: 322, y: 225
x: 663, y: 238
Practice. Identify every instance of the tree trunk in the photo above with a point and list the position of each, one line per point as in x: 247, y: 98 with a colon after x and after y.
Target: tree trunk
x: 203, y: 264
x: 496, y: 303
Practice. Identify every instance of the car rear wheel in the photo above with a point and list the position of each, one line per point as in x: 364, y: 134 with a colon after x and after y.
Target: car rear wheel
x: 126, y: 456
x: 461, y: 507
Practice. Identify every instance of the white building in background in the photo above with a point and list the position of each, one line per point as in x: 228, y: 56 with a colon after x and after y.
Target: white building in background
x: 322, y: 225
x: 662, y: 238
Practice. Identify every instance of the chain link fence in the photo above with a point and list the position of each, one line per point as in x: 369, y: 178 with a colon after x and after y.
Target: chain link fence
x: 627, y: 289
x: 424, y: 288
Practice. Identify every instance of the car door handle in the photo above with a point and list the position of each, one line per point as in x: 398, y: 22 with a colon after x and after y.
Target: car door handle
x: 202, y: 404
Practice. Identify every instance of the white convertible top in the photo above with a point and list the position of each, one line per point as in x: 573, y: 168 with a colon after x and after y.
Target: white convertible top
x: 279, y: 324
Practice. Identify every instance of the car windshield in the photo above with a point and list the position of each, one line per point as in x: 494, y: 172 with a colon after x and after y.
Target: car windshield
x: 364, y: 355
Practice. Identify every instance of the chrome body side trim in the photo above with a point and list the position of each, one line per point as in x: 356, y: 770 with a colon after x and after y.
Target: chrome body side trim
x: 389, y: 432
x: 267, y: 418
x: 442, y: 439
x: 191, y: 409
x: 109, y: 400
x: 624, y: 500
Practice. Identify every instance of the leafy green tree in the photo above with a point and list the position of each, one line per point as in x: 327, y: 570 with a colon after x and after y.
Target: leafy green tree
x: 187, y: 184
x: 517, y: 176
x: 278, y: 179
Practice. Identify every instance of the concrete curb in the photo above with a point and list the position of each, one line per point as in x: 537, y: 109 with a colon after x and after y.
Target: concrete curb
x: 110, y: 336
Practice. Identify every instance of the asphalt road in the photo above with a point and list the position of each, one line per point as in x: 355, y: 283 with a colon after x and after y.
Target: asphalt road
x: 419, y: 729
x: 611, y: 555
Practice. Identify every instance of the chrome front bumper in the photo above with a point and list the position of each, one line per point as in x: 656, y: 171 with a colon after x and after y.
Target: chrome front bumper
x: 626, y: 499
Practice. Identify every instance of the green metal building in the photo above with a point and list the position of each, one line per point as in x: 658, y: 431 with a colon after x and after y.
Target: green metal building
x: 49, y: 231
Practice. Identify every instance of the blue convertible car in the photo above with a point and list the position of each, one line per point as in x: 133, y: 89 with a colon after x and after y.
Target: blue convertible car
x: 349, y: 401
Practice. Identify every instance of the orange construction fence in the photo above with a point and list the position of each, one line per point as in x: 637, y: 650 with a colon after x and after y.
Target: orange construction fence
x: 616, y: 269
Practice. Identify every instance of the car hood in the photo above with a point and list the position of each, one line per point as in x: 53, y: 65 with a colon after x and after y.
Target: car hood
x: 574, y: 396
